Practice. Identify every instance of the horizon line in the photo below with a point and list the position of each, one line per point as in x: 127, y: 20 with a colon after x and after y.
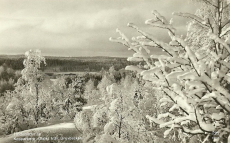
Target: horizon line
x: 65, y: 56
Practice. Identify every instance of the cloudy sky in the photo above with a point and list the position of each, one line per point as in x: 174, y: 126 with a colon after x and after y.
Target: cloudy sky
x: 79, y: 27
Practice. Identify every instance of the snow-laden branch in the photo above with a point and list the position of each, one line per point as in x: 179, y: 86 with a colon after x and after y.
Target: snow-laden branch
x: 160, y: 25
x: 210, y: 3
x: 160, y: 17
x: 225, y: 23
x: 133, y: 68
x: 192, y: 76
x: 166, y: 47
x: 209, y: 128
x: 219, y: 40
x: 193, y: 17
x: 225, y: 32
x: 155, y: 120
x: 216, y: 86
x: 193, y: 132
x: 178, y: 120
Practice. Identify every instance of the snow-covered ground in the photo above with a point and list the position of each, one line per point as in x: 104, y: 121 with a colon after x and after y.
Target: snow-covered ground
x: 63, y: 132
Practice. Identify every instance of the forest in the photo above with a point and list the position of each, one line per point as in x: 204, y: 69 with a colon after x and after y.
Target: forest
x: 68, y: 64
x: 181, y: 95
x: 34, y: 101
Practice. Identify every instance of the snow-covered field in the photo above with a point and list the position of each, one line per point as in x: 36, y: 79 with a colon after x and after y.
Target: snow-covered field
x: 63, y: 132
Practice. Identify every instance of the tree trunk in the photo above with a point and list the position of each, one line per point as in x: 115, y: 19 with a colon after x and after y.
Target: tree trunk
x: 36, y: 106
x: 119, y: 128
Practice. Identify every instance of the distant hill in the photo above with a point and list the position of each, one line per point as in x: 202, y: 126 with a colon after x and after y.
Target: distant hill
x: 69, y: 64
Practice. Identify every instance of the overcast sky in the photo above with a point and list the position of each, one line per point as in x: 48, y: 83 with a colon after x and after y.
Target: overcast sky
x: 79, y: 27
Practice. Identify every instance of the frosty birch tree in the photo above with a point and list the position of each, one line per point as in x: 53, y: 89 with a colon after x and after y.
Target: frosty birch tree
x: 192, y: 74
x: 33, y: 76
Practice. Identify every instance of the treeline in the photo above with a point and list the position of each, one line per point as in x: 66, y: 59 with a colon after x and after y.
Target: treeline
x: 14, y: 63
x: 81, y: 65
x: 70, y: 64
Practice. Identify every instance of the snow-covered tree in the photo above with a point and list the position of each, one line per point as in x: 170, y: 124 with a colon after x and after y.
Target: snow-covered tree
x: 22, y: 107
x: 91, y: 93
x: 67, y: 96
x: 116, y: 118
x: 33, y: 76
x: 192, y: 75
x: 106, y: 80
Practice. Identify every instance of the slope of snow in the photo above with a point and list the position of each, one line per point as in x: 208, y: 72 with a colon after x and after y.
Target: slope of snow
x: 53, y: 130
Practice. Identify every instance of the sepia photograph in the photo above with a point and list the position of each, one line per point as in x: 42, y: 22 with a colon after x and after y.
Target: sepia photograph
x: 114, y: 71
